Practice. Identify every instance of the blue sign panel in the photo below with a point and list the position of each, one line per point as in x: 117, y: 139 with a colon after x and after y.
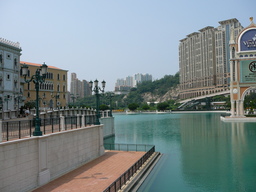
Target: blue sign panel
x: 248, y: 41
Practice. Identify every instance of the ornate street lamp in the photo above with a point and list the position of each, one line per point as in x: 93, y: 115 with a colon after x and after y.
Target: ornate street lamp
x: 110, y: 95
x: 57, y: 96
x: 6, y: 99
x: 96, y: 90
x: 73, y: 97
x: 18, y: 98
x: 38, y: 78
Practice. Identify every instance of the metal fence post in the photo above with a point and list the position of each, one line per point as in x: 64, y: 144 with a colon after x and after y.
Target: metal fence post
x: 1, y: 134
x: 77, y: 120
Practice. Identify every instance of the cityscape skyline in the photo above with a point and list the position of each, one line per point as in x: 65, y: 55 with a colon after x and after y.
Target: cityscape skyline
x: 105, y: 40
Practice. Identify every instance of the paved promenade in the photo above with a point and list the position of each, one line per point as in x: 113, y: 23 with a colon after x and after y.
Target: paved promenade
x: 96, y: 175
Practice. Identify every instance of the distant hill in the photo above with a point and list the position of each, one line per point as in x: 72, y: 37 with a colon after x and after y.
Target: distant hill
x: 159, y: 90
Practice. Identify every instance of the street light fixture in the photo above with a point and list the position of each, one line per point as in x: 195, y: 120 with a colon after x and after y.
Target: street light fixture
x: 97, y: 89
x: 56, y: 96
x: 37, y: 79
x: 73, y: 97
x: 6, y: 99
x: 18, y: 98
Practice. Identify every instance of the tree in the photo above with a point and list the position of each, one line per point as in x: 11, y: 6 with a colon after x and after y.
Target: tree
x: 104, y: 107
x: 133, y: 106
x: 30, y: 104
x: 145, y: 107
x: 162, y: 106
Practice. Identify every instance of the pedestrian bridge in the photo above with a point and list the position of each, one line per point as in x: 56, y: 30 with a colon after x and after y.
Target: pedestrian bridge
x: 186, y: 101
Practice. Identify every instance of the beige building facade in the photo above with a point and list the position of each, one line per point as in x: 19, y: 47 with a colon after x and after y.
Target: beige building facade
x: 52, y: 93
x: 204, y: 60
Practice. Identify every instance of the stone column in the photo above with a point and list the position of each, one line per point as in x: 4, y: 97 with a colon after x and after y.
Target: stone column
x: 232, y: 108
x: 241, y: 108
x: 237, y: 108
x: 44, y: 173
x: 83, y: 120
x: 62, y: 123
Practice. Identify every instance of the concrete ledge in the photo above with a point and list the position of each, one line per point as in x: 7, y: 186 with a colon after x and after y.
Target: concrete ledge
x: 136, y: 181
x: 238, y: 119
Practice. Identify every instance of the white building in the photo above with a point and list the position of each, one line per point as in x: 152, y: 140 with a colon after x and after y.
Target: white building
x: 9, y: 74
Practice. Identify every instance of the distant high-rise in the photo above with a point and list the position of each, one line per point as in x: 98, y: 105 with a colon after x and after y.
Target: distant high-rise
x: 78, y: 88
x: 124, y: 85
x: 204, y: 59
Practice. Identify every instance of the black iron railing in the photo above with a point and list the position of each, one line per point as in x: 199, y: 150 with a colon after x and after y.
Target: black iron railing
x: 12, y: 130
x: 117, y: 184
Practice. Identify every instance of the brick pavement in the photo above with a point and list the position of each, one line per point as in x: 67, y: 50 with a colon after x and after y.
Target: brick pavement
x: 96, y: 175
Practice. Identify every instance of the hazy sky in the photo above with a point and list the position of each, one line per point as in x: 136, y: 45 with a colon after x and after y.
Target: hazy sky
x: 111, y: 39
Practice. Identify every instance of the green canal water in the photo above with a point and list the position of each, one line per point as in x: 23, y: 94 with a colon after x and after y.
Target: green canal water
x: 201, y: 153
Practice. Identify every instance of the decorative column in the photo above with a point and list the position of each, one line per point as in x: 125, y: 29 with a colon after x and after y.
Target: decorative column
x: 232, y: 108
x: 237, y: 109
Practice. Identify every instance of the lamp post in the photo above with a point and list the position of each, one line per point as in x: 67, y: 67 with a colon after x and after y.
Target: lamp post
x: 38, y: 78
x: 18, y: 98
x: 96, y: 90
x: 56, y: 96
x: 109, y: 96
x: 73, y: 97
x: 6, y: 99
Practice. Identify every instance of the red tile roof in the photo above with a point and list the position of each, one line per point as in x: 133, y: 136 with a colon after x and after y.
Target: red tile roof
x: 36, y: 64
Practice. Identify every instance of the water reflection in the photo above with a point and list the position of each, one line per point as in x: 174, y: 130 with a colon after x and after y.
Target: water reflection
x: 214, y: 154
x: 201, y: 153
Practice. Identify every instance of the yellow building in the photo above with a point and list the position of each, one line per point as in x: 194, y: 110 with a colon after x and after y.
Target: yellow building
x: 52, y: 93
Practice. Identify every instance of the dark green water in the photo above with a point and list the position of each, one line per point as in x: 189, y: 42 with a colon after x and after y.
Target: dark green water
x: 201, y: 153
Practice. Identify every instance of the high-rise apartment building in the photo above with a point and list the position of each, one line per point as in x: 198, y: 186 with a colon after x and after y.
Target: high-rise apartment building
x: 78, y: 88
x: 124, y: 85
x: 204, y: 60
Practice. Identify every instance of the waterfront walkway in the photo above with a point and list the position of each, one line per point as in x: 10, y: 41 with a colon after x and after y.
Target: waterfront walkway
x: 96, y: 175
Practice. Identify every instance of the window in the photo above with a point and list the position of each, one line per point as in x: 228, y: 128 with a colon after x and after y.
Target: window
x: 28, y: 94
x: 8, y: 56
x: 1, y: 58
x: 64, y: 77
x: 15, y: 84
x: 58, y: 88
x: 64, y: 88
x: 15, y: 62
x: 8, y: 77
x: 58, y: 76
